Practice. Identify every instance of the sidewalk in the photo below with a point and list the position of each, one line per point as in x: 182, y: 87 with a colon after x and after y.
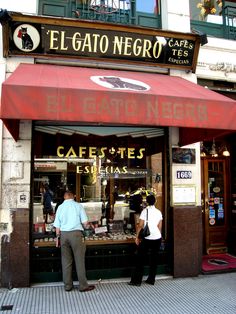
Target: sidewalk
x: 205, y: 294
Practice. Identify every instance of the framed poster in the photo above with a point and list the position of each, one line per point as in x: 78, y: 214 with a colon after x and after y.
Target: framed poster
x: 183, y: 155
x: 183, y: 195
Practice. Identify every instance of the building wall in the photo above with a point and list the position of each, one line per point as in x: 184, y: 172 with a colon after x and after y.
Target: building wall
x: 217, y: 60
x: 15, y: 157
x: 15, y: 170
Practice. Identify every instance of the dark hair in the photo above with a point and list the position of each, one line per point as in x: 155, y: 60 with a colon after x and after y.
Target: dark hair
x: 69, y: 193
x: 151, y: 200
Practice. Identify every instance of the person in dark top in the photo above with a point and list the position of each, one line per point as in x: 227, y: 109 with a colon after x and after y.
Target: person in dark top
x: 47, y: 202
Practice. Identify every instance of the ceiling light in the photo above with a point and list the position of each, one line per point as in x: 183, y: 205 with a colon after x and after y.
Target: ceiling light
x: 226, y: 153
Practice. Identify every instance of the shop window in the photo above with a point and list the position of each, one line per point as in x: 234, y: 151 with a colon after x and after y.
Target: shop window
x: 110, y: 171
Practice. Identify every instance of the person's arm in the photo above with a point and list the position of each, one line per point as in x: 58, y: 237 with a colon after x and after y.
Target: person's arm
x: 58, y: 235
x: 86, y: 224
x: 140, y: 226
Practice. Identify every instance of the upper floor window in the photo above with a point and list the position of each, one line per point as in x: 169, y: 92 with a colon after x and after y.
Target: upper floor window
x: 148, y: 6
x: 206, y: 10
x: 213, y: 11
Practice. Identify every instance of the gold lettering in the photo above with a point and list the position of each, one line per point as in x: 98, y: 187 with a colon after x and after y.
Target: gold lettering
x: 147, y: 45
x: 59, y: 154
x: 157, y: 49
x: 121, y: 151
x: 82, y: 151
x: 102, y: 152
x: 117, y: 44
x: 141, y: 150
x: 71, y: 153
x: 104, y: 44
x: 86, y: 169
x: 92, y: 152
x: 185, y: 54
x: 170, y: 43
x: 53, y: 39
x: 95, y: 44
x: 63, y: 41
x: 76, y: 42
x: 137, y: 47
x: 128, y: 42
x: 174, y: 52
x: 87, y: 43
x: 124, y: 169
x: 78, y: 169
x: 131, y: 153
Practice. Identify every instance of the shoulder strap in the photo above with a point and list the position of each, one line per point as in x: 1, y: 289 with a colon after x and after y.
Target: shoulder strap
x: 147, y: 215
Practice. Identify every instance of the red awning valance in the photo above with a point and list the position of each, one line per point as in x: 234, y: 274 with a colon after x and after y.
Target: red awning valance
x: 73, y: 94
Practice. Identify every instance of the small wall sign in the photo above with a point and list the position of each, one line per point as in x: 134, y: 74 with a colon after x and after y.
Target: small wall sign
x: 184, y: 174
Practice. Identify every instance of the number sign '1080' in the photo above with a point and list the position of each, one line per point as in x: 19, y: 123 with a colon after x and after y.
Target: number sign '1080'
x: 184, y: 174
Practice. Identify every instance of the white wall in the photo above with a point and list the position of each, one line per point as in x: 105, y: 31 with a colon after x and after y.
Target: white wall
x: 176, y: 15
x: 217, y: 60
x: 15, y: 157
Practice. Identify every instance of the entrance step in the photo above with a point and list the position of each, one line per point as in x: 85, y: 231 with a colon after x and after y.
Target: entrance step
x: 217, y: 250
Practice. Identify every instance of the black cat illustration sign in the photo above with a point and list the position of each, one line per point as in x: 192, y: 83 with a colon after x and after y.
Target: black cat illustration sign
x: 26, y: 37
x: 120, y: 83
x: 79, y: 39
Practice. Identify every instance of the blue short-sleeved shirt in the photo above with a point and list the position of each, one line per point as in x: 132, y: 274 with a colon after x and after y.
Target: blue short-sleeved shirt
x: 70, y: 216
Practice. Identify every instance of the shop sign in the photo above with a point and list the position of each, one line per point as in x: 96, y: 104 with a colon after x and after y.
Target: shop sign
x: 80, y: 40
x: 107, y: 153
x: 100, y: 152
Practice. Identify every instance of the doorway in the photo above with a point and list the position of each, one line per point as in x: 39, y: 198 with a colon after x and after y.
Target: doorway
x: 214, y: 205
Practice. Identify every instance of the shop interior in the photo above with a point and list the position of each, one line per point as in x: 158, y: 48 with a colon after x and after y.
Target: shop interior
x: 110, y: 170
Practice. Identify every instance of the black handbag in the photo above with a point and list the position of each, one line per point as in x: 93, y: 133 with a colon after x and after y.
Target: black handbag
x: 144, y: 232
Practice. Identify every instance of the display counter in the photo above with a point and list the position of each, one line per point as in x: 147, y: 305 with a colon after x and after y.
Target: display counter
x: 46, y: 241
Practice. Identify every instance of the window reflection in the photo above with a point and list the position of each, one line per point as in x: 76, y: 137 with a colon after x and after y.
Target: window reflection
x: 148, y: 6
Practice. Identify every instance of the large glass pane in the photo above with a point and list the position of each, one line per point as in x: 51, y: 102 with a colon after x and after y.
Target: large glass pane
x: 216, y: 192
x: 110, y: 170
x: 148, y: 6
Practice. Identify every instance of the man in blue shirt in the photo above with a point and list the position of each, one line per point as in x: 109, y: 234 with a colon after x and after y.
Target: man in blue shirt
x: 70, y: 221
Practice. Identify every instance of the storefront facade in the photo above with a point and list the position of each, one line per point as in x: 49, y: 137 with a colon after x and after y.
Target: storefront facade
x: 111, y: 136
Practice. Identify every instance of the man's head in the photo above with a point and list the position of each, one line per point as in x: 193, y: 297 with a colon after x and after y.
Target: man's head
x: 68, y: 195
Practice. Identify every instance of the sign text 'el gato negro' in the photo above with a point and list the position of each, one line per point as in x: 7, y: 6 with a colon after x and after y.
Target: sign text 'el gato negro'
x: 77, y: 39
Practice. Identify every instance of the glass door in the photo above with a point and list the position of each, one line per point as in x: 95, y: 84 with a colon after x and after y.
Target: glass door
x: 214, y: 205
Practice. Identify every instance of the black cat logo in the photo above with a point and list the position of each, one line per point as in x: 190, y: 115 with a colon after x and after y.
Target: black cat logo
x: 116, y: 82
x: 27, y: 42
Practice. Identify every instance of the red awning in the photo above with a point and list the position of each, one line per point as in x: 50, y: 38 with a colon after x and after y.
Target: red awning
x: 74, y: 94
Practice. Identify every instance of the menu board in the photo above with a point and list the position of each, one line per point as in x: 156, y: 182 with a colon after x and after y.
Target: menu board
x: 184, y: 195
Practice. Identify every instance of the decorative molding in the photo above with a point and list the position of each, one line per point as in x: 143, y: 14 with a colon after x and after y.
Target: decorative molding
x: 225, y: 67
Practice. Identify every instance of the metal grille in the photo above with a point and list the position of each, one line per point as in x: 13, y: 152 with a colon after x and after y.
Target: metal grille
x: 114, y: 11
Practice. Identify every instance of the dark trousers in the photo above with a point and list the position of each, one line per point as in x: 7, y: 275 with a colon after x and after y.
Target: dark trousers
x: 145, y: 247
x: 73, y: 248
